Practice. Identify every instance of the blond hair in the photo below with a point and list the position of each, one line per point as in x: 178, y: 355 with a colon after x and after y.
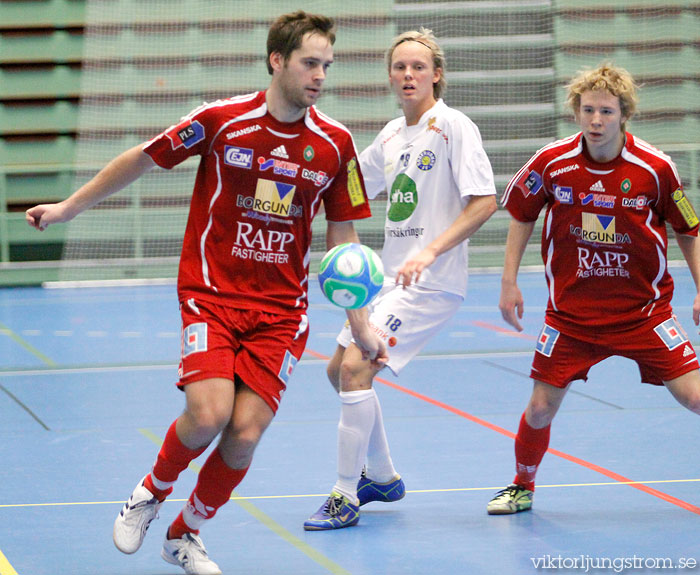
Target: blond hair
x: 427, y: 38
x: 616, y: 80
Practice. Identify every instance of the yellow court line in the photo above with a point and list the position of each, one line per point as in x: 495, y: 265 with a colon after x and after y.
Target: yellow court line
x: 5, y: 567
x: 239, y: 498
x: 4, y: 330
x: 270, y: 523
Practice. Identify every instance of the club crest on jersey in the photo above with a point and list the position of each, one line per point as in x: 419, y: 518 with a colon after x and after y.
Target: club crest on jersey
x: 530, y: 183
x: 194, y: 338
x: 671, y: 333
x: 426, y: 160
x: 238, y: 157
x: 186, y: 134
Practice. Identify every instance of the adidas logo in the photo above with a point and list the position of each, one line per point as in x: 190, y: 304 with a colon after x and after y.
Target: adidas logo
x: 280, y: 152
x: 687, y: 351
x: 597, y: 187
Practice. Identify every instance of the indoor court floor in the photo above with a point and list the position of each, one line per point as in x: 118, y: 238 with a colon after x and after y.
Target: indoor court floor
x: 87, y: 393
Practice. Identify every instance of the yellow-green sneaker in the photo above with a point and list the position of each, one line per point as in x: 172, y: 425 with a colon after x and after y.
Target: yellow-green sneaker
x: 512, y: 499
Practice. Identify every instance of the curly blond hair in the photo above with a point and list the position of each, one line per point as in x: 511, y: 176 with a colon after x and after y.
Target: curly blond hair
x: 616, y: 80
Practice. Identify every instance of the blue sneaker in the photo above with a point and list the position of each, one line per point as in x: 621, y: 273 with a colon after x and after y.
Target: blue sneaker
x: 337, y: 512
x: 368, y: 490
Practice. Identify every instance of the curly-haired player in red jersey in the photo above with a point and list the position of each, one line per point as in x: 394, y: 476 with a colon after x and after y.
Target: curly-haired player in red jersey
x: 268, y: 161
x: 608, y: 196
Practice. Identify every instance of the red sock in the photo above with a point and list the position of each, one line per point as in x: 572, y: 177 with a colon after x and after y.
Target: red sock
x: 214, y: 486
x: 173, y: 458
x: 530, y: 446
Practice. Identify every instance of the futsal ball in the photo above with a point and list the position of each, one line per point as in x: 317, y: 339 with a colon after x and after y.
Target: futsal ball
x: 351, y: 275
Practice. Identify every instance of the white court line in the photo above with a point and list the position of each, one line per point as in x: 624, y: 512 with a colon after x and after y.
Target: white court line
x: 304, y: 361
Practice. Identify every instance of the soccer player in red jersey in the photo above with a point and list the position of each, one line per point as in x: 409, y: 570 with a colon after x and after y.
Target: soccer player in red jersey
x: 268, y: 161
x: 608, y: 197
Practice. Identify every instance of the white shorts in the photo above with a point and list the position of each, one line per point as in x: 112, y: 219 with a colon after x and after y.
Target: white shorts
x: 406, y: 319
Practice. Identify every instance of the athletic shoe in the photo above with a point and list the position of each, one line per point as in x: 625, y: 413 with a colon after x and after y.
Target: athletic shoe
x: 368, y: 490
x: 337, y: 512
x: 512, y: 499
x: 190, y: 554
x: 133, y: 520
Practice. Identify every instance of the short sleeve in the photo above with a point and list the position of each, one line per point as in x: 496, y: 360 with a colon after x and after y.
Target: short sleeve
x: 189, y: 137
x: 346, y: 198
x: 470, y: 164
x: 372, y: 163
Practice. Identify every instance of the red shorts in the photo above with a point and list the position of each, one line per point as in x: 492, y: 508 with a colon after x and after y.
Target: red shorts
x: 259, y: 348
x: 662, y: 352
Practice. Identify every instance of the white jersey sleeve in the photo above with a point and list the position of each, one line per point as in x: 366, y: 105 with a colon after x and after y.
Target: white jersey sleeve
x: 470, y: 166
x: 372, y: 166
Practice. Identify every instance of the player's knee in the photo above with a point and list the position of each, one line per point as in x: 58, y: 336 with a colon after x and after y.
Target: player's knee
x: 541, y: 412
x: 239, y: 443
x: 208, y: 418
x: 354, y: 375
x: 692, y: 401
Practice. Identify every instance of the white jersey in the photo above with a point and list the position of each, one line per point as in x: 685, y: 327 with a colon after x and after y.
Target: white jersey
x: 429, y: 170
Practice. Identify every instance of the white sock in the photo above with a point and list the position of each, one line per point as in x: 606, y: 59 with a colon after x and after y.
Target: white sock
x: 380, y: 467
x: 357, y: 416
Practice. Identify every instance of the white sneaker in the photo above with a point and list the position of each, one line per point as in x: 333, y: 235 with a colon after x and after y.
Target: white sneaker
x: 134, y: 518
x: 190, y: 554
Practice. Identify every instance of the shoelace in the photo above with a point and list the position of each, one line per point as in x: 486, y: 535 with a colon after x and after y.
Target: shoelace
x: 333, y: 506
x: 182, y: 553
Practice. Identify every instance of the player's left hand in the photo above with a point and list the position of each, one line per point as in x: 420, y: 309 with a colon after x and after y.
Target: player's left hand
x: 696, y: 309
x: 413, y: 267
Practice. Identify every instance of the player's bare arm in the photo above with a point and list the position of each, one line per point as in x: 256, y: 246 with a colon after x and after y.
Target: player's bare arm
x: 511, y: 301
x: 691, y: 252
x: 471, y: 218
x: 116, y: 175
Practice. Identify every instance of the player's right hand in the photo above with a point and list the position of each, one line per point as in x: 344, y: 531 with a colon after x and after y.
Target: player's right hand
x: 43, y: 215
x: 511, y: 304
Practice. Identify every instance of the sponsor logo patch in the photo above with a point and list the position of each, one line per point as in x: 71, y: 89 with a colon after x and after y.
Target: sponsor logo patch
x: 685, y: 208
x: 530, y: 183
x: 564, y: 194
x: 279, y: 167
x: 599, y: 200
x: 671, y: 333
x: 194, y: 338
x: 186, y: 134
x: 547, y: 339
x: 355, y: 191
x: 239, y: 157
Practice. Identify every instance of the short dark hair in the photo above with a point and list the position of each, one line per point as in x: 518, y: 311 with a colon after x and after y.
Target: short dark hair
x: 287, y: 32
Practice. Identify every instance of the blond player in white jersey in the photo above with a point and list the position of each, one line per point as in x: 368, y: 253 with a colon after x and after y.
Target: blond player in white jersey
x: 440, y: 191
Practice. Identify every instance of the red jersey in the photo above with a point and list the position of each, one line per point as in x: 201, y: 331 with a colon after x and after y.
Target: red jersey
x: 259, y: 185
x: 604, y: 241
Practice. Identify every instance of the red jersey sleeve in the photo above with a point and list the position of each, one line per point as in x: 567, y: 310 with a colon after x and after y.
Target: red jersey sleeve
x: 525, y: 195
x: 346, y: 199
x: 190, y: 137
x: 675, y: 206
